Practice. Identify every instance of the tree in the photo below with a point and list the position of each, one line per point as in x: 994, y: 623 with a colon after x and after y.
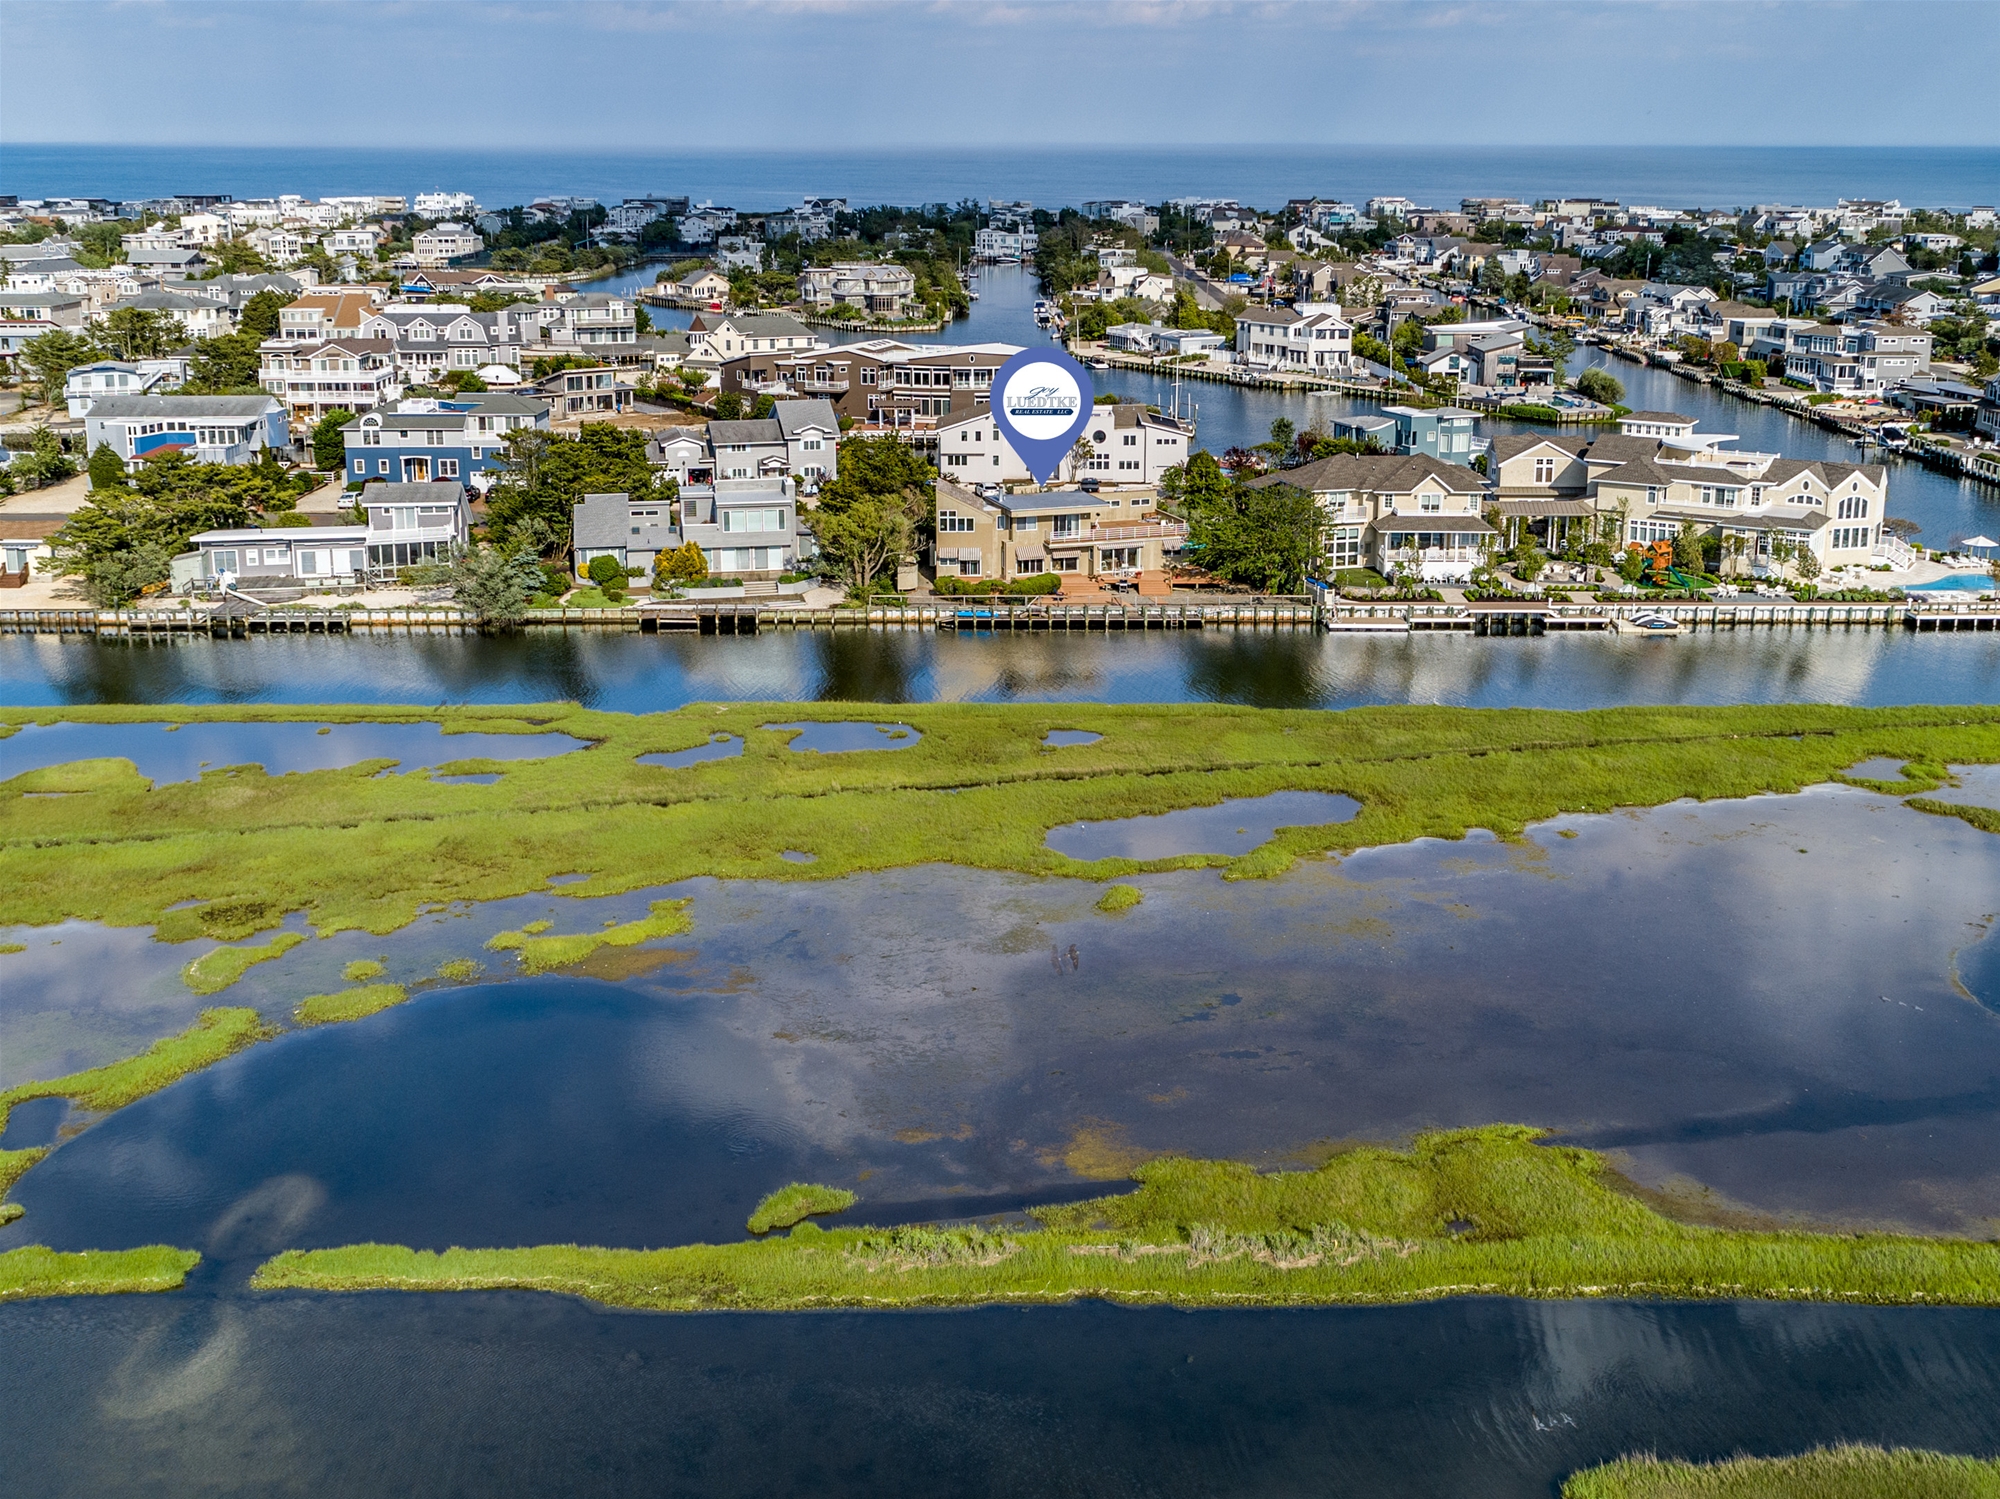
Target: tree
x: 496, y: 582
x: 329, y: 447
x: 766, y: 406
x: 1600, y: 386
x: 43, y: 463
x: 1807, y: 566
x: 1081, y: 454
x: 864, y: 538
x: 545, y: 474
x: 605, y: 571
x: 51, y: 356
x: 1283, y: 445
x: 124, y: 539
x: 1898, y: 526
x: 871, y: 513
x: 225, y: 365
x: 1266, y: 536
x: 728, y: 407
x: 687, y: 563
x: 139, y: 333
x: 260, y: 314
x: 691, y: 380
x: 107, y: 469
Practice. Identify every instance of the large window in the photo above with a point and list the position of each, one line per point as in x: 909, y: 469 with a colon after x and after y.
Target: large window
x: 753, y: 520
x: 951, y: 520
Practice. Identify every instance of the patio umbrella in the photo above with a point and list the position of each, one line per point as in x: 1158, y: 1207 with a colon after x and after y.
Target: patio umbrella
x: 1979, y: 543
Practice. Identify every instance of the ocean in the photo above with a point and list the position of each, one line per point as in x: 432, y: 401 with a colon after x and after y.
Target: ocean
x: 1265, y: 176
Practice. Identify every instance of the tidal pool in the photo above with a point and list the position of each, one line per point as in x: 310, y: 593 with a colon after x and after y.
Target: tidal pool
x: 1978, y: 786
x: 1230, y: 827
x: 164, y: 754
x: 1065, y: 738
x: 848, y: 736
x: 719, y: 747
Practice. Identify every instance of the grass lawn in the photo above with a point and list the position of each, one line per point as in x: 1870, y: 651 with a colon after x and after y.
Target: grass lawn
x: 1485, y: 1212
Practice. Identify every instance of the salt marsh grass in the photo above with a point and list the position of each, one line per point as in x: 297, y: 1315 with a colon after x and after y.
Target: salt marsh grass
x: 796, y: 1203
x: 1844, y: 1472
x: 1465, y: 1212
x: 349, y: 1004
x: 215, y: 971
x: 35, y: 1271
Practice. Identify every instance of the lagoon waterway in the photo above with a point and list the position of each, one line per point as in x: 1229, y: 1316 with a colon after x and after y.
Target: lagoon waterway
x: 647, y: 673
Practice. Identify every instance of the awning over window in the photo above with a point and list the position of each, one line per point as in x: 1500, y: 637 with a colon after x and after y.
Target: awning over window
x: 1536, y: 509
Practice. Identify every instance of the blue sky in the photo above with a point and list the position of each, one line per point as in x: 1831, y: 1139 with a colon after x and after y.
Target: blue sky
x: 660, y: 74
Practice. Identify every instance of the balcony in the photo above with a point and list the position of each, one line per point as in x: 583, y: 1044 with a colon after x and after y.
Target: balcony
x: 820, y: 387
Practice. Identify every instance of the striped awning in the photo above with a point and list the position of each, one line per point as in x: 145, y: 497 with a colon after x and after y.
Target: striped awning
x: 1534, y: 509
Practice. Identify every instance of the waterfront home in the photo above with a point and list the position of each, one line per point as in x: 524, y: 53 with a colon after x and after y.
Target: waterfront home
x: 441, y: 244
x: 208, y: 429
x: 1068, y: 531
x: 1315, y: 339
x: 592, y: 323
x: 1130, y: 445
x: 704, y: 287
x: 1441, y: 432
x: 88, y: 384
x: 744, y: 527
x: 352, y: 375
x: 1833, y: 511
x: 717, y: 339
x: 302, y: 557
x: 421, y: 440
x: 1849, y: 360
x: 1415, y: 512
x: 1987, y: 420
x: 878, y: 288
x: 1005, y: 245
x: 630, y: 532
x: 881, y: 382
x: 169, y: 263
x: 415, y: 523
x: 799, y: 439
x: 1152, y: 338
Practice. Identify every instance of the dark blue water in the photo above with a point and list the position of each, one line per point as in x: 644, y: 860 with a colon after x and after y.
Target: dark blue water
x: 842, y: 738
x: 219, y: 1392
x: 1051, y: 176
x: 1229, y: 827
x: 163, y: 753
x: 1296, y: 669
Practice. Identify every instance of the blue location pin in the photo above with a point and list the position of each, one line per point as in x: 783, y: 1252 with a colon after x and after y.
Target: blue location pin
x: 1041, y: 404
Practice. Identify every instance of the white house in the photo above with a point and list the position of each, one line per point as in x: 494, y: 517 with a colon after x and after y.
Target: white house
x: 1315, y: 339
x: 209, y: 429
x: 88, y: 384
x: 1130, y: 445
x: 444, y: 243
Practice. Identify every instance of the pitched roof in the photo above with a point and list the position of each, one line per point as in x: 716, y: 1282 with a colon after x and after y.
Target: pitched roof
x: 1657, y: 416
x: 762, y: 430
x: 797, y: 416
x: 1393, y: 473
x: 115, y: 408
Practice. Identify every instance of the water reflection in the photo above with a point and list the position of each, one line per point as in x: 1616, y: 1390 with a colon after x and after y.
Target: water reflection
x: 1230, y: 827
x: 636, y: 673
x: 165, y: 753
x: 1659, y: 982
x: 507, y: 1394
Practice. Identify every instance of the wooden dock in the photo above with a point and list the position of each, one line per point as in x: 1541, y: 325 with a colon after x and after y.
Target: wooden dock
x: 749, y: 617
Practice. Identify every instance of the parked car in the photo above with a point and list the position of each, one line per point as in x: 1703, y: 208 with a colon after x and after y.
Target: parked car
x: 1090, y: 486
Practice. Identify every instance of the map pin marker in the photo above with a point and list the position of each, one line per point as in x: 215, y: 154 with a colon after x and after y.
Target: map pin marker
x: 1041, y: 404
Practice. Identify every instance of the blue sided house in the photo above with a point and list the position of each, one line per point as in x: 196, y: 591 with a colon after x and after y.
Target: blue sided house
x: 425, y: 441
x: 208, y: 429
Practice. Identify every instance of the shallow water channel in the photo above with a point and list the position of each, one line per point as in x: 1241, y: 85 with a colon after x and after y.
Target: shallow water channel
x: 181, y: 752
x: 951, y: 1043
